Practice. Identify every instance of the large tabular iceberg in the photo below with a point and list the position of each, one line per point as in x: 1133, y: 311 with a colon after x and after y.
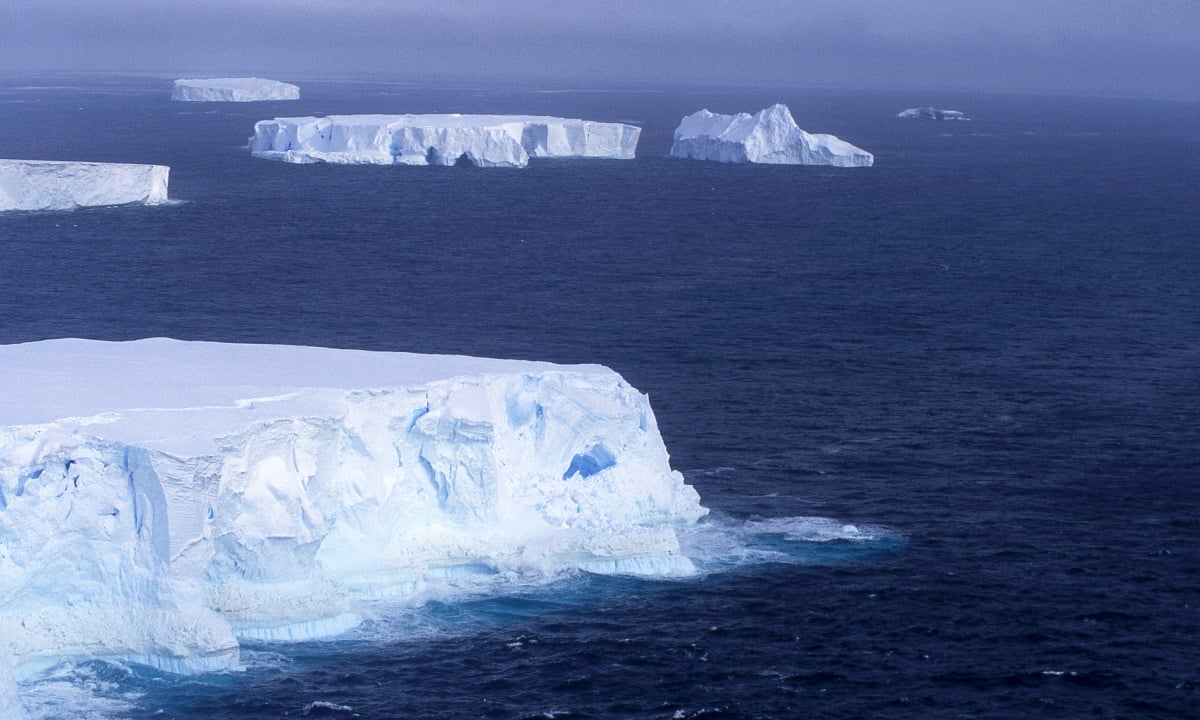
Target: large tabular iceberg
x: 160, y: 499
x: 481, y: 140
x: 55, y: 185
x: 769, y: 136
x: 931, y: 113
x: 233, y: 90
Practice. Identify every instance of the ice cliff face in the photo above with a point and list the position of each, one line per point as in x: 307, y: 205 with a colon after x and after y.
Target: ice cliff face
x: 233, y: 90
x: 931, y: 113
x: 53, y: 185
x: 769, y: 136
x: 481, y: 140
x: 159, y: 499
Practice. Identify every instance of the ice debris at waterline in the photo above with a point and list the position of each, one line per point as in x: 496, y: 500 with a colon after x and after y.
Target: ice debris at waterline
x: 58, y: 185
x: 233, y: 90
x: 769, y: 136
x: 931, y: 113
x: 161, y: 498
x: 481, y: 140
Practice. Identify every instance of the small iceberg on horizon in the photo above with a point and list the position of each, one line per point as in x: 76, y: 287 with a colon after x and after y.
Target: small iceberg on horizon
x: 931, y: 113
x: 250, y: 89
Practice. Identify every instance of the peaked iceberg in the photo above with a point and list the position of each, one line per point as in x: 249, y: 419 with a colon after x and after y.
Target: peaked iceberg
x: 233, y: 90
x: 160, y: 499
x: 770, y: 136
x: 57, y: 185
x: 481, y: 140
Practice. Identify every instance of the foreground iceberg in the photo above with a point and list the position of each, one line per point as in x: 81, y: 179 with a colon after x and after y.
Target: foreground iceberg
x: 931, y: 113
x: 233, y: 90
x: 55, y: 185
x: 769, y: 136
x: 481, y: 140
x: 160, y: 499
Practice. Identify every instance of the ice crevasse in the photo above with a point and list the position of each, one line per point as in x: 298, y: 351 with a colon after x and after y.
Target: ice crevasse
x: 161, y: 499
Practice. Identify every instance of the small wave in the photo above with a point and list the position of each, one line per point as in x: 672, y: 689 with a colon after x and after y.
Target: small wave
x: 321, y: 708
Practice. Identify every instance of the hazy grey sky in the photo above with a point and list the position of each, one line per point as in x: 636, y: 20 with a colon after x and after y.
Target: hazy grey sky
x: 1099, y: 47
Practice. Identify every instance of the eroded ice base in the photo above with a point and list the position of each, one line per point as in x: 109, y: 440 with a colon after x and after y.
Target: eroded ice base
x: 55, y: 185
x: 159, y: 499
x: 481, y: 140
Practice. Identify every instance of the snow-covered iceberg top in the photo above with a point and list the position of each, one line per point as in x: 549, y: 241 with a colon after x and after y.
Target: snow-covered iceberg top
x: 160, y: 499
x: 233, y: 90
x: 931, y: 113
x: 769, y: 136
x: 56, y: 185
x: 481, y: 140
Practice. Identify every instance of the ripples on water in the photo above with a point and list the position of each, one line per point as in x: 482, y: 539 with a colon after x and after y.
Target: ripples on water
x: 980, y: 354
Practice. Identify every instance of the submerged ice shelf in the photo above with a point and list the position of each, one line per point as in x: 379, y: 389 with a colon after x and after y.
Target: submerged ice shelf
x: 57, y: 185
x: 160, y: 499
x: 233, y: 90
x: 481, y: 140
x: 770, y: 136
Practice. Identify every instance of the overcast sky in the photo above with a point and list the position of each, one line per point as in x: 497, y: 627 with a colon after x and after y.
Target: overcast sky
x: 1138, y: 48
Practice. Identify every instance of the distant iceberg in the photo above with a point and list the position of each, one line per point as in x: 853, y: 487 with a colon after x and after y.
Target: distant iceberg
x: 480, y: 140
x: 770, y: 136
x: 161, y: 499
x: 233, y: 90
x: 56, y: 185
x: 931, y: 113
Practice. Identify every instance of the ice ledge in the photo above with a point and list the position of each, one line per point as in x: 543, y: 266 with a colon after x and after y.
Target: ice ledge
x: 58, y: 185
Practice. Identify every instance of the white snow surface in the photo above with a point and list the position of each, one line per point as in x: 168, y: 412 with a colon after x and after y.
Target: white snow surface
x: 57, y: 185
x: 160, y: 499
x: 481, y: 140
x: 233, y: 90
x: 10, y: 704
x: 931, y: 113
x: 769, y: 136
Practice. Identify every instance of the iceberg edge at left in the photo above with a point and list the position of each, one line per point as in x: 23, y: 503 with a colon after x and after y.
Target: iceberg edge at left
x: 64, y: 185
x: 160, y: 499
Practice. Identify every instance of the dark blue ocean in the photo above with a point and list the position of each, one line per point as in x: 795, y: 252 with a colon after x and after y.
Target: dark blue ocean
x: 984, y: 352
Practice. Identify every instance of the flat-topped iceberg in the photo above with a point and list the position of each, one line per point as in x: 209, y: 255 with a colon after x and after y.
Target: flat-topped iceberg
x: 481, y: 140
x: 769, y: 136
x: 233, y: 90
x: 160, y: 499
x: 57, y: 185
x: 931, y: 113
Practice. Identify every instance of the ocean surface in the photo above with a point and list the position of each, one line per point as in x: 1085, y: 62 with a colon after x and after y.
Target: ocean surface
x: 983, y: 353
